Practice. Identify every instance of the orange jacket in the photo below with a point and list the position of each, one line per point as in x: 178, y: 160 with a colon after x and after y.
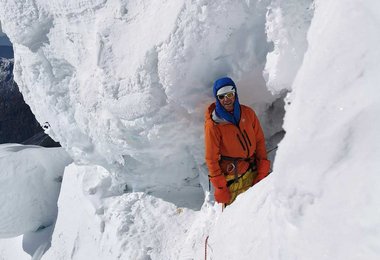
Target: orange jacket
x: 225, y: 139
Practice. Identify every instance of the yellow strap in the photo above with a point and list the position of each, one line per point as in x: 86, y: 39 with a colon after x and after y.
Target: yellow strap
x: 241, y: 185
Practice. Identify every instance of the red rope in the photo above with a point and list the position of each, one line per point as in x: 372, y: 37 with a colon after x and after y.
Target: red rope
x: 206, y: 248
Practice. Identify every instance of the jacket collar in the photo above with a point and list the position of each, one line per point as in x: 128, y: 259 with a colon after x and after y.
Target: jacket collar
x: 217, y: 119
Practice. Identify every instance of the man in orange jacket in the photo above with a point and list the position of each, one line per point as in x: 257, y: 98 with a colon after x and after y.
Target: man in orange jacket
x: 235, y: 145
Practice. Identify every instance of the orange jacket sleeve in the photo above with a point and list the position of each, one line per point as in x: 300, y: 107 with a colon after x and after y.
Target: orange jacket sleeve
x: 212, y: 144
x: 212, y: 151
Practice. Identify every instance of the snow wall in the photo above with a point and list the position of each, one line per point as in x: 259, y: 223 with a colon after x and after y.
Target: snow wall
x: 92, y: 70
x: 322, y: 200
x: 124, y: 84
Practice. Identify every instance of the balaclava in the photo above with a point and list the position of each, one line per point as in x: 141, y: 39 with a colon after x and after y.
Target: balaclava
x: 219, y: 110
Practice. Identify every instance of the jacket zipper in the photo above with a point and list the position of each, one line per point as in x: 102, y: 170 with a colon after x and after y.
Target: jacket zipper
x: 242, y: 145
x: 246, y: 135
x: 245, y: 141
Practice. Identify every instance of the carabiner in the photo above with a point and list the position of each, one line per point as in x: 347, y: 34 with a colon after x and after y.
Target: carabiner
x: 229, y: 170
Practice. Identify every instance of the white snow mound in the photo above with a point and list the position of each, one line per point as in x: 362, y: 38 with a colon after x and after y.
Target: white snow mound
x: 30, y: 179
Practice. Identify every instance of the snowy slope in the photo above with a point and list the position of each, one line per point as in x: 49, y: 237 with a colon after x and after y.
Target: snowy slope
x: 12, y: 249
x: 126, y: 97
x: 131, y: 226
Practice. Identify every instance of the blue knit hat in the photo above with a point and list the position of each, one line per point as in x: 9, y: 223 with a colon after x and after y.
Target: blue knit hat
x: 220, y: 110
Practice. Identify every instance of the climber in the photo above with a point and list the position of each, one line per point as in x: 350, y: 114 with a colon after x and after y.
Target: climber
x: 235, y: 150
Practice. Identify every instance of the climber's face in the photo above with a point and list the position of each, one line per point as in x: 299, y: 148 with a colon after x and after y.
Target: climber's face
x: 227, y: 101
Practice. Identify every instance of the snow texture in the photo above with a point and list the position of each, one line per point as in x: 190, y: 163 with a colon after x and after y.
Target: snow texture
x: 118, y: 90
x: 29, y: 183
x: 125, y: 97
x: 131, y: 226
x: 286, y: 27
x: 322, y: 200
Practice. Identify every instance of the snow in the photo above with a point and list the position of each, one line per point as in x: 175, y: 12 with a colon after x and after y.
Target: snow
x: 118, y: 91
x: 125, y: 98
x: 131, y: 226
x: 321, y: 201
x: 30, y: 181
x: 287, y: 24
x: 11, y: 248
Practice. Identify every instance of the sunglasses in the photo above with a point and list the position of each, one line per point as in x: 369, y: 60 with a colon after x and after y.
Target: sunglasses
x: 229, y: 95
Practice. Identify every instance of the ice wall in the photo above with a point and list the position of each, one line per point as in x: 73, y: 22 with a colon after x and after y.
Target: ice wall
x: 322, y: 200
x: 124, y: 84
x: 287, y: 25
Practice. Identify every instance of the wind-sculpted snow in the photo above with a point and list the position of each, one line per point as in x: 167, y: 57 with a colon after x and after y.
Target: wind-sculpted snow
x: 286, y: 27
x: 131, y: 226
x: 124, y: 84
x: 322, y: 200
x: 29, y: 183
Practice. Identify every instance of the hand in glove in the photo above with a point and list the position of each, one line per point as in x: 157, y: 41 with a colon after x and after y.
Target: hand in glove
x: 221, y: 193
x: 263, y: 168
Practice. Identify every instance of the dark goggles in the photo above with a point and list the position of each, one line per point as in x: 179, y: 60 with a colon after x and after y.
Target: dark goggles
x: 229, y: 95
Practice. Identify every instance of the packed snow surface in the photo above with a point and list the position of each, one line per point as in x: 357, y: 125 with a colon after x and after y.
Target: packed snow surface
x: 124, y: 86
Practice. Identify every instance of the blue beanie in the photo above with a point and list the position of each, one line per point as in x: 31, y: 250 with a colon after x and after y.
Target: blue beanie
x: 220, y: 110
